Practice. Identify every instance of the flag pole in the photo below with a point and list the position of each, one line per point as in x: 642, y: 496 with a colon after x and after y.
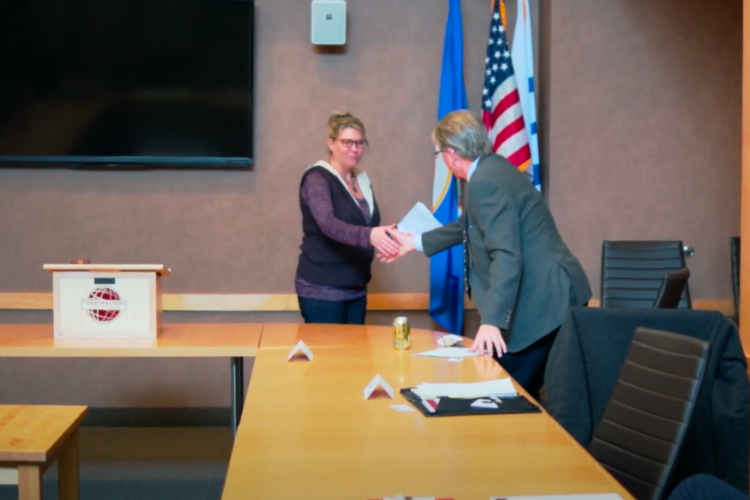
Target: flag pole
x: 502, y: 11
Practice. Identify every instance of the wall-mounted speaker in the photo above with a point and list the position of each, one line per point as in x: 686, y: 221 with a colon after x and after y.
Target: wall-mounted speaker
x: 328, y: 22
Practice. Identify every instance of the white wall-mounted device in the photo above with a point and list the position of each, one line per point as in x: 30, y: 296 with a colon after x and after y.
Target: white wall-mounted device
x: 328, y: 22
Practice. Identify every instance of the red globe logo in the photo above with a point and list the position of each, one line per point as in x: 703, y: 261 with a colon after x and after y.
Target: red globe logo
x: 102, y: 295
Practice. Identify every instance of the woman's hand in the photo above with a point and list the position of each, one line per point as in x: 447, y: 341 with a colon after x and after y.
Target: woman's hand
x: 382, y: 242
x: 405, y: 242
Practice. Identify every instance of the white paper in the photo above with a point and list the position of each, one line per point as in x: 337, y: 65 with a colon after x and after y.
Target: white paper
x: 300, y: 347
x: 484, y: 403
x: 419, y: 220
x: 449, y: 340
x: 449, y: 352
x: 427, y: 405
x: 374, y: 383
x: 501, y: 387
x: 402, y: 408
x: 583, y: 496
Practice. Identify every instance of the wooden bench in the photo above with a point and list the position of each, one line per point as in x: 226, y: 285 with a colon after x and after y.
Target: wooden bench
x: 31, y: 439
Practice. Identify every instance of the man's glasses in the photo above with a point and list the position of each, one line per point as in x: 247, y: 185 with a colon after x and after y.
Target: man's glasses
x: 348, y: 143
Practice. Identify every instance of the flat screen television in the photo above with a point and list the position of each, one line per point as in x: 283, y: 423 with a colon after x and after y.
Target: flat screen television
x: 126, y: 83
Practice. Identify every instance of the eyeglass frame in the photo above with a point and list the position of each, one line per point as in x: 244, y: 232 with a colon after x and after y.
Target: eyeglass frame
x: 446, y: 150
x: 349, y: 143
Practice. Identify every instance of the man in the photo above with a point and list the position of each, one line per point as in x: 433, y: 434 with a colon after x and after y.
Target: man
x: 522, y: 276
x: 705, y: 487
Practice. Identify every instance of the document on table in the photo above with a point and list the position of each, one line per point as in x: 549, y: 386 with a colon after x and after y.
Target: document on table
x: 501, y: 387
x: 419, y: 220
x: 448, y: 352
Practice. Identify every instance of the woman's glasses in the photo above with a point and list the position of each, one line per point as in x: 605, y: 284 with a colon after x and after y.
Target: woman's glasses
x: 348, y: 143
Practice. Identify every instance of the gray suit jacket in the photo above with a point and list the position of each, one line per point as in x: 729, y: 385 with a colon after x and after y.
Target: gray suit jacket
x: 523, y: 277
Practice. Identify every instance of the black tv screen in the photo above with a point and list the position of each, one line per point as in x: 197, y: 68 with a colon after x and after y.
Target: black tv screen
x: 126, y: 83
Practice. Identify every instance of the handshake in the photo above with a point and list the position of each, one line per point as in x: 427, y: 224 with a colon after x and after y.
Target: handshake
x: 390, y: 243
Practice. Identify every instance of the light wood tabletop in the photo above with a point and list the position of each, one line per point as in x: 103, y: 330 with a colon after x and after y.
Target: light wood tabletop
x: 282, y: 335
x: 307, y: 431
x: 30, y: 433
x: 192, y: 340
x: 32, y: 437
x: 175, y: 340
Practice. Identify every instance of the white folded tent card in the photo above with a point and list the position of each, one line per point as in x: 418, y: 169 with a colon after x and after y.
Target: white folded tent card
x: 107, y: 300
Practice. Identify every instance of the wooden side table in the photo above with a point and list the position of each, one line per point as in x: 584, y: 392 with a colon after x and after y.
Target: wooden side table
x: 32, y: 438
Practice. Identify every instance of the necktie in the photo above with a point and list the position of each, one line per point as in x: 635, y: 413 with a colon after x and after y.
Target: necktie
x: 467, y: 259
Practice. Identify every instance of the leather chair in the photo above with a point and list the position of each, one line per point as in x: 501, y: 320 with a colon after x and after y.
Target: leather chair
x: 639, y: 437
x: 736, y: 247
x: 671, y: 289
x: 632, y: 272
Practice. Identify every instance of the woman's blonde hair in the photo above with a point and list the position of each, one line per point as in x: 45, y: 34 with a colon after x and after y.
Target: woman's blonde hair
x: 339, y: 120
x: 463, y: 131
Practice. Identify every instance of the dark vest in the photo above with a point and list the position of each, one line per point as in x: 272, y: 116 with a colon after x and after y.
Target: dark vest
x: 327, y: 262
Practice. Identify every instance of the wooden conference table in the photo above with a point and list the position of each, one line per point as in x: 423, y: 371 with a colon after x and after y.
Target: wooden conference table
x: 307, y: 432
x: 234, y: 341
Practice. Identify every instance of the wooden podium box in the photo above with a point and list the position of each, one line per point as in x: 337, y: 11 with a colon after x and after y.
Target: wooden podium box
x: 106, y: 300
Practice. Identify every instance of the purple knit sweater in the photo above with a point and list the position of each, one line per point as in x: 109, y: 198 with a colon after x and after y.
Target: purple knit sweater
x: 316, y: 193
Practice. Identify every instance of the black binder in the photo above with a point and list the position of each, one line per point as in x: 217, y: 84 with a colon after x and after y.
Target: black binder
x: 448, y: 407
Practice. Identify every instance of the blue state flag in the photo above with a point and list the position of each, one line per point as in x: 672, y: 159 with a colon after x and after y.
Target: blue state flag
x: 446, y: 268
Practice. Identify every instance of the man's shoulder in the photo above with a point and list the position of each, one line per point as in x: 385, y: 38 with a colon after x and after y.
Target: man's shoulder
x: 495, y: 166
x: 496, y: 169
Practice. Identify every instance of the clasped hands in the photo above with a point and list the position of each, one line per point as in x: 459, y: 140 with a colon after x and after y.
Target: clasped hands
x: 390, y: 243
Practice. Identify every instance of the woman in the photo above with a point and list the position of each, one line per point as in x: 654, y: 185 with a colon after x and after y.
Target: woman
x: 341, y: 228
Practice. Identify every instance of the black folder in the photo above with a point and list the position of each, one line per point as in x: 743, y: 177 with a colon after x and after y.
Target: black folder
x: 448, y: 407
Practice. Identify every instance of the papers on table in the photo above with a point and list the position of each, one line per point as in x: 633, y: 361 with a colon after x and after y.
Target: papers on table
x: 501, y: 387
x: 419, y: 220
x: 448, y: 352
x: 402, y: 408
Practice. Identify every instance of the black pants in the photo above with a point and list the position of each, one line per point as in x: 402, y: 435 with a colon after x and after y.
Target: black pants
x: 704, y: 487
x: 347, y: 312
x: 527, y: 365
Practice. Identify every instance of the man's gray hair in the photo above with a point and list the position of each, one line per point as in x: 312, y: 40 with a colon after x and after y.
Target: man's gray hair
x: 464, y: 132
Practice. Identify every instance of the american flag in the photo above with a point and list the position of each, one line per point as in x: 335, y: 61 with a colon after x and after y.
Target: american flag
x: 501, y: 107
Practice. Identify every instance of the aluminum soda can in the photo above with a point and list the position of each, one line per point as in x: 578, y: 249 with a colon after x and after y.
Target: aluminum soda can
x: 401, y: 333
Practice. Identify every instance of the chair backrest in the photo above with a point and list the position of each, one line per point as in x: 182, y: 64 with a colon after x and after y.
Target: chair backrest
x: 639, y: 437
x: 670, y: 291
x: 736, y: 247
x: 632, y: 272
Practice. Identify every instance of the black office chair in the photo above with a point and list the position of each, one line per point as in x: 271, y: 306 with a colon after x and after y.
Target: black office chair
x: 670, y: 291
x: 639, y: 437
x: 736, y: 247
x: 632, y: 272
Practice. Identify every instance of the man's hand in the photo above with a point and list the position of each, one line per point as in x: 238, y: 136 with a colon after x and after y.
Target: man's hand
x: 405, y: 242
x: 488, y: 338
